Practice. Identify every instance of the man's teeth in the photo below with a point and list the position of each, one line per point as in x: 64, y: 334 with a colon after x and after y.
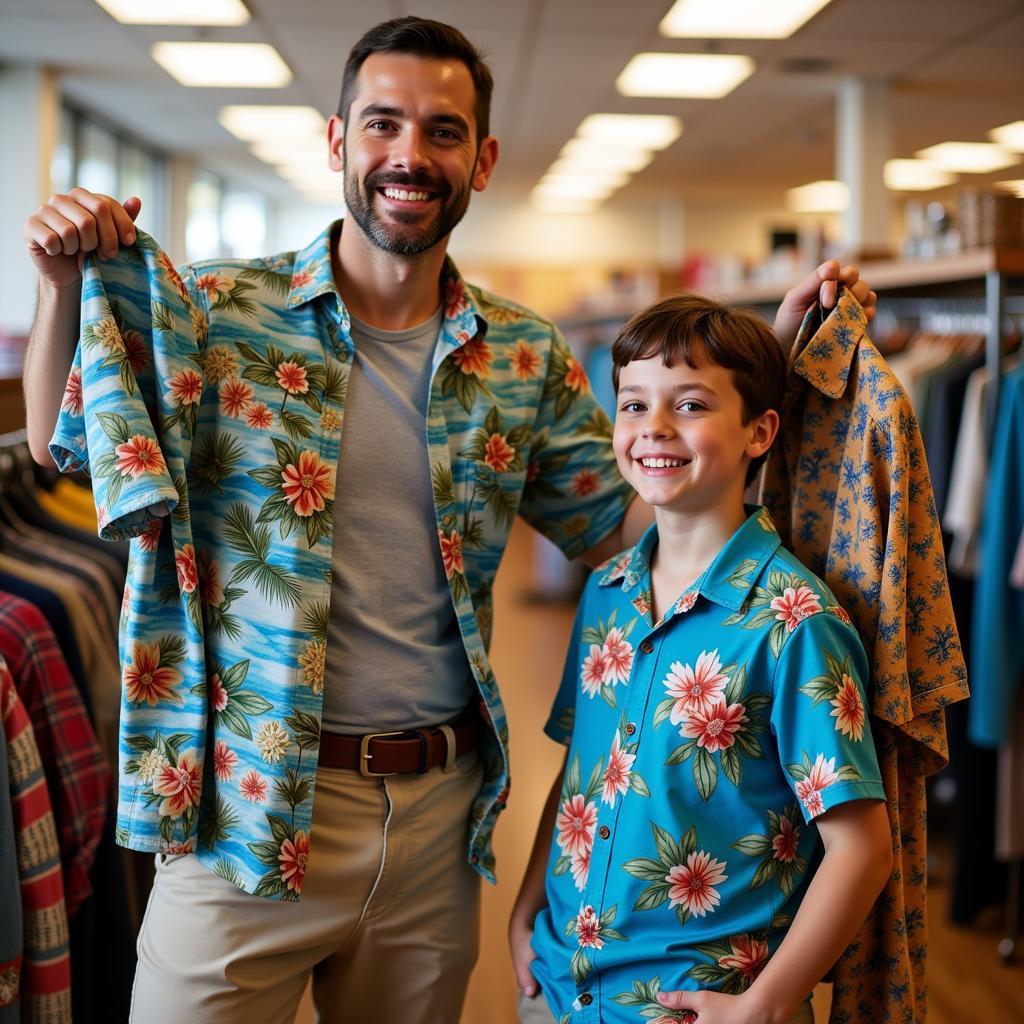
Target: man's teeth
x: 663, y: 463
x: 398, y: 193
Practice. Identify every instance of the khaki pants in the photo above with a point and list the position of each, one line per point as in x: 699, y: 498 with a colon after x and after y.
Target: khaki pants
x: 387, y: 925
x: 536, y: 1011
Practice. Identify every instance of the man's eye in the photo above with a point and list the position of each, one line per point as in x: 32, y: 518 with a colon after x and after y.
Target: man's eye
x: 379, y: 126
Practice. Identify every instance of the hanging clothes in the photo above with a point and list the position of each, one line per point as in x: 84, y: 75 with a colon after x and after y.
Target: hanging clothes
x: 40, y: 976
x: 847, y: 485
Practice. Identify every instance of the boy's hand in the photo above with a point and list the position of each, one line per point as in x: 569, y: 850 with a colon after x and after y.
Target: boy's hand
x: 519, y: 935
x: 717, y: 1008
x: 821, y: 285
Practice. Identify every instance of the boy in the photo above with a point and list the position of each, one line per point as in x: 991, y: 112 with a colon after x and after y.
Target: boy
x: 713, y: 704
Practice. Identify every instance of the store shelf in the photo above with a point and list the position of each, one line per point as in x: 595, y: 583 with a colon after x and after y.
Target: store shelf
x: 886, y: 275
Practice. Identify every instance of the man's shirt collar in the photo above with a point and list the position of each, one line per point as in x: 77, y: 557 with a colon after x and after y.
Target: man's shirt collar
x: 823, y: 351
x: 730, y: 577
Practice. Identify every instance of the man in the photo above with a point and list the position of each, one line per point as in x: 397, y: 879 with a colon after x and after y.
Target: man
x: 363, y: 608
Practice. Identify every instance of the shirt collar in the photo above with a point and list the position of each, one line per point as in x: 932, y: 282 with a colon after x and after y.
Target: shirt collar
x: 313, y: 275
x: 823, y: 351
x: 732, y: 574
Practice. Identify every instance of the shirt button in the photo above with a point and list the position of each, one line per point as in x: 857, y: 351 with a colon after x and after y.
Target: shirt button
x: 630, y: 729
x: 586, y: 999
x: 647, y: 647
x: 604, y: 831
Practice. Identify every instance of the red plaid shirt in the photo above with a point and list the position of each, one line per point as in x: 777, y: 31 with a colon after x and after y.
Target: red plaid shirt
x: 76, y: 774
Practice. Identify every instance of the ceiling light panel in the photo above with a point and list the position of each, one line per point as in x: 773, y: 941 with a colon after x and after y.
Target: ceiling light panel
x: 644, y: 131
x: 613, y: 158
x: 684, y: 75
x: 1016, y: 186
x: 176, y: 12
x: 738, y: 19
x: 1009, y: 136
x: 916, y: 176
x: 229, y: 65
x: 818, y: 197
x: 970, y: 157
x: 278, y: 124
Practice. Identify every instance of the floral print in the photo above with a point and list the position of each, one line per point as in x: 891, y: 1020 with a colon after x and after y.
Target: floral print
x: 689, y: 796
x: 217, y: 460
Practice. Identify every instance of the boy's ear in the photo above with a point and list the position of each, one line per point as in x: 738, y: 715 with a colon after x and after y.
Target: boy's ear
x: 763, y: 429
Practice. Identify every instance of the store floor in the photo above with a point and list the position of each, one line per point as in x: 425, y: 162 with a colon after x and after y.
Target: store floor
x: 967, y: 981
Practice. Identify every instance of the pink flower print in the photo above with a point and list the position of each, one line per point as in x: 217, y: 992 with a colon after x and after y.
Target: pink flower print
x: 695, y: 689
x: 498, y: 453
x: 588, y: 928
x: 784, y: 842
x: 849, y: 709
x: 188, y: 574
x: 687, y: 601
x: 575, y: 376
x: 795, y: 605
x: 451, y: 553
x: 150, y: 536
x: 576, y: 823
x: 579, y: 866
x: 294, y: 859
x: 72, y: 401
x: 301, y: 278
x: 474, y: 358
x: 454, y: 298
x: 135, y: 350
x: 616, y: 775
x: 292, y: 378
x: 308, y: 485
x: 821, y: 776
x: 748, y: 956
x: 595, y: 667
x: 139, y: 455
x: 619, y: 654
x: 585, y: 482
x: 179, y: 785
x: 218, y: 695
x: 525, y: 362
x: 224, y: 761
x: 692, y: 884
x: 235, y: 397
x: 214, y: 285
x: 716, y: 730
x: 253, y: 787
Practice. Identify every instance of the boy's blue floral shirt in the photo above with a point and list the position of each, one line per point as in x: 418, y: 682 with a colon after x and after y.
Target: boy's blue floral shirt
x: 208, y: 408
x: 701, y: 748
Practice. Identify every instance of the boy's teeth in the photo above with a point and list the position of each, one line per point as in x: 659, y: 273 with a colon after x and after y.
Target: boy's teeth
x: 662, y: 463
x: 398, y: 193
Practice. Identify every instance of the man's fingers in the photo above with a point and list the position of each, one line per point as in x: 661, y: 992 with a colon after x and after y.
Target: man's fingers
x: 827, y: 294
x: 101, y: 208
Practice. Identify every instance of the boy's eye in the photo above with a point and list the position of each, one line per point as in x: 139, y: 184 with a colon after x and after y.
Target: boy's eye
x: 691, y: 406
x: 632, y: 406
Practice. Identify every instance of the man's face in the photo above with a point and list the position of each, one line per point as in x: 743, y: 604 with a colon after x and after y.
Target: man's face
x: 409, y: 152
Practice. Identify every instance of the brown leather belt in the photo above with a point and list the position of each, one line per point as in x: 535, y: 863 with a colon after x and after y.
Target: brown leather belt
x: 402, y: 753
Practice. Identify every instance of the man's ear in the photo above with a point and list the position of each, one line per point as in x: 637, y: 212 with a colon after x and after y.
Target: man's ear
x: 485, y: 161
x: 336, y: 143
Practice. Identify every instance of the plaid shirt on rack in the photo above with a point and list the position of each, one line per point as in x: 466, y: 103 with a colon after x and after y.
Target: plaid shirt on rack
x: 76, y: 773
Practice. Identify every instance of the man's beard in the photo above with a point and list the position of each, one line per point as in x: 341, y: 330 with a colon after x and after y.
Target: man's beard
x: 416, y: 237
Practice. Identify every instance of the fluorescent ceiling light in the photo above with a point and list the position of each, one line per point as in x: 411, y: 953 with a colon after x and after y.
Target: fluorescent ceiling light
x: 684, y: 75
x: 645, y: 131
x: 575, y: 188
x: 1016, y: 186
x: 738, y: 19
x: 273, y: 152
x: 1009, y: 136
x: 304, y: 176
x: 601, y: 155
x: 916, y: 175
x: 176, y: 12
x: 970, y: 157
x: 562, y: 204
x: 233, y: 65
x: 273, y: 123
x: 818, y: 197
x: 566, y: 168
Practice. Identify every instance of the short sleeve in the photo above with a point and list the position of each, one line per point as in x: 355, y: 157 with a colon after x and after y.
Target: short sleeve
x: 820, y: 719
x: 132, y: 396
x: 574, y: 492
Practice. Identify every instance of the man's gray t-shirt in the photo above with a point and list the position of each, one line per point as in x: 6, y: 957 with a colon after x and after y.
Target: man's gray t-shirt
x: 395, y: 658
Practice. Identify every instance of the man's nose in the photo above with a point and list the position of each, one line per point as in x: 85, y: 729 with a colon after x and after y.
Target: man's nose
x: 409, y: 151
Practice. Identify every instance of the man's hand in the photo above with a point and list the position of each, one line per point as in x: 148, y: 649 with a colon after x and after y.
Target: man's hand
x: 519, y: 935
x: 821, y: 285
x: 62, y: 231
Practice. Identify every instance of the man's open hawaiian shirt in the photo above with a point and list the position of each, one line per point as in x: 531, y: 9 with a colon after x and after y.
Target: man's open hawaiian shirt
x: 702, y: 748
x: 208, y: 408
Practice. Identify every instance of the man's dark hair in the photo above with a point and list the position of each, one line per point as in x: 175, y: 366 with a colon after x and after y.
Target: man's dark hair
x: 422, y: 37
x: 691, y: 327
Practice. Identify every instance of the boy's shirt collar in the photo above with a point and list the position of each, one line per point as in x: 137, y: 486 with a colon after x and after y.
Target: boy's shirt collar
x: 729, y: 578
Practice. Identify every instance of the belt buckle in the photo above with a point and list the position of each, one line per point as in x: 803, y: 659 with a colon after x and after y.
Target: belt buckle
x: 365, y: 756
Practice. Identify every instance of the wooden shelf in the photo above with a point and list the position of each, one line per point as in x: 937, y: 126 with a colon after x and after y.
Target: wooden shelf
x: 886, y: 275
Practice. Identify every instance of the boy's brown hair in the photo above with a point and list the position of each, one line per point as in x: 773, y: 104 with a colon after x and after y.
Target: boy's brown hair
x: 688, y: 327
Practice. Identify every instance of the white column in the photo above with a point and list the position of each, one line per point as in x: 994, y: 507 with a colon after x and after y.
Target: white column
x: 862, y: 147
x: 29, y: 122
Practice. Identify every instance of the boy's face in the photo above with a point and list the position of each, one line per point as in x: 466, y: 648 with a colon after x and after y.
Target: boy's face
x: 680, y: 440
